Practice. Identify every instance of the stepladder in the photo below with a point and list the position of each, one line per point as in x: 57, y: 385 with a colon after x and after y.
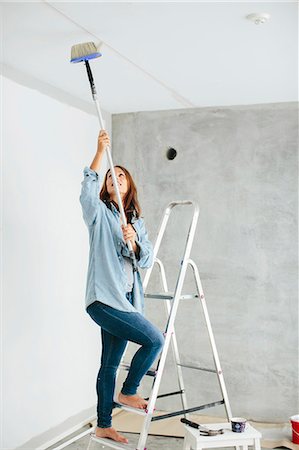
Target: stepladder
x: 171, y: 302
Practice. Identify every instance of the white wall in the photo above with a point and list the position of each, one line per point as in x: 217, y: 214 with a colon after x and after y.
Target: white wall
x: 51, y: 347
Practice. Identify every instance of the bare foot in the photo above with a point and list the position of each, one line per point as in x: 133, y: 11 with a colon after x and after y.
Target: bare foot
x: 110, y: 433
x: 135, y: 401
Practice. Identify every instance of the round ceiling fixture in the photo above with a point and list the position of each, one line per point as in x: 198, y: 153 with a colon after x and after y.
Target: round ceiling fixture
x: 258, y: 18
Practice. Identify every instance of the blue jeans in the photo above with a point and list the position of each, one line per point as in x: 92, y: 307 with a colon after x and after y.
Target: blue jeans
x: 118, y: 327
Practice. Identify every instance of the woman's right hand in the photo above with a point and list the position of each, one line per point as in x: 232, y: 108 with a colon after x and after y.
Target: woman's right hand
x: 103, y: 141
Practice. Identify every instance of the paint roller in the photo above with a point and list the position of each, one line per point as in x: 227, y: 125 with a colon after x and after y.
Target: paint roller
x: 83, y: 53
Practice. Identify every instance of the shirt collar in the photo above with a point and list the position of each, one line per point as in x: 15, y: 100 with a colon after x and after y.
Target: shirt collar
x: 114, y: 209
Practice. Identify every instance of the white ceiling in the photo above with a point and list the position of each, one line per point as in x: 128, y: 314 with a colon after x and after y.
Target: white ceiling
x: 158, y: 55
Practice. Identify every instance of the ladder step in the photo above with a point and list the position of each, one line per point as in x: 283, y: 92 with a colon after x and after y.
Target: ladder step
x: 170, y: 296
x: 110, y: 443
x: 190, y: 366
x: 151, y: 372
x: 141, y: 412
x: 186, y: 411
x: 168, y: 394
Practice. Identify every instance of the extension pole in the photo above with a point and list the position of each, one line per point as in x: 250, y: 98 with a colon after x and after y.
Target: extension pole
x: 115, y: 183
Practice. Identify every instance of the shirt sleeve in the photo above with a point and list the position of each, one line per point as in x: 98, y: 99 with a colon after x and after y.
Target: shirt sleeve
x: 89, y: 197
x: 145, y: 254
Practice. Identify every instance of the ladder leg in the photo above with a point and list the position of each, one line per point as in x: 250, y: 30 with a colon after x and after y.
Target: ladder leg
x: 212, y: 340
x: 170, y: 337
x: 174, y: 344
x: 176, y: 356
x: 154, y: 393
x: 157, y: 381
x: 144, y: 432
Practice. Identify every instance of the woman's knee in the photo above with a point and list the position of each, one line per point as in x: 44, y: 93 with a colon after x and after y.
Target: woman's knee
x: 158, y: 340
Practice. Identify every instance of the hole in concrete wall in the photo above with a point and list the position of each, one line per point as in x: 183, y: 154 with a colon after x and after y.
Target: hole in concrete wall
x: 171, y: 153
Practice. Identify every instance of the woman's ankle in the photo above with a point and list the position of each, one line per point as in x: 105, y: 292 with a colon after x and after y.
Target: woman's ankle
x: 128, y: 394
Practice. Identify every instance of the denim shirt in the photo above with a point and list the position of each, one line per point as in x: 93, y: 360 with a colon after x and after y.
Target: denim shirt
x: 106, y: 274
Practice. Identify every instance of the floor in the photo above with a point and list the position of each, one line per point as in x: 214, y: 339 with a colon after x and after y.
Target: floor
x: 153, y: 443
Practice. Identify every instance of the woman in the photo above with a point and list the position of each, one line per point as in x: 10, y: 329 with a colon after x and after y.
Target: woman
x: 114, y: 295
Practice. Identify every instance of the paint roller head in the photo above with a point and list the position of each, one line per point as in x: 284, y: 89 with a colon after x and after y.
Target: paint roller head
x: 83, y: 52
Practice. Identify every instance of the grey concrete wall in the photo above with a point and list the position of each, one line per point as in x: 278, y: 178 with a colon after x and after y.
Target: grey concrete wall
x: 240, y: 165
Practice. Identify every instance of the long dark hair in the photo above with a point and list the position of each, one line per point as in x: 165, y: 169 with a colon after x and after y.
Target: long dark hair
x: 130, y: 200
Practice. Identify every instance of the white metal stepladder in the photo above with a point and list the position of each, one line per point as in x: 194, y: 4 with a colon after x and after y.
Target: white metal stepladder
x: 171, y: 303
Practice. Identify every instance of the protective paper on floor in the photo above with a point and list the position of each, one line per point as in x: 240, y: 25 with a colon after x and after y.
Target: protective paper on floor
x: 273, y: 435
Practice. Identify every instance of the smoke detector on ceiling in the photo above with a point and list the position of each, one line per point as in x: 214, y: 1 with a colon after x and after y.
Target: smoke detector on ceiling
x: 258, y: 18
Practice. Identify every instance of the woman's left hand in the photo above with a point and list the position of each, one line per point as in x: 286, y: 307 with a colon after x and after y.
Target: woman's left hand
x: 129, y: 233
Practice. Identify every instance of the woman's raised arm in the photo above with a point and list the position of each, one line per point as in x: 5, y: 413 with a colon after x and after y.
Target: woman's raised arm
x: 103, y: 141
x: 89, y: 197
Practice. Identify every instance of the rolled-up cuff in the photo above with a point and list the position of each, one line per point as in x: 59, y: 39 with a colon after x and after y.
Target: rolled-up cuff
x: 90, y: 172
x: 104, y: 424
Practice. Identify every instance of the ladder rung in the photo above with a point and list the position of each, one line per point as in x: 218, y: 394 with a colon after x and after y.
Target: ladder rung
x: 110, y: 443
x: 170, y: 296
x: 168, y: 394
x: 186, y: 411
x: 197, y: 368
x: 142, y: 412
x: 151, y: 372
